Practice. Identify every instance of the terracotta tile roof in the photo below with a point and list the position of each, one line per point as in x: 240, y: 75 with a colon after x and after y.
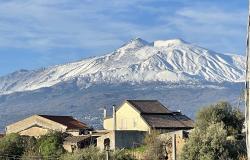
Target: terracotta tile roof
x: 68, y: 121
x: 149, y: 106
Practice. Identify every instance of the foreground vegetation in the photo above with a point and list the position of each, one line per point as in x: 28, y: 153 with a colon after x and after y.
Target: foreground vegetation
x: 93, y: 153
x: 217, y: 134
x: 47, y: 147
x: 50, y: 146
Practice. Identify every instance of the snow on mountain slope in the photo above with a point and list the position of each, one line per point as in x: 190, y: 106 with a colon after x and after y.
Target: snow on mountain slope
x: 137, y: 61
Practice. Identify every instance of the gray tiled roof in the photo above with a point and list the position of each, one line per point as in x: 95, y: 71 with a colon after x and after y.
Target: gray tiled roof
x: 149, y: 106
x: 75, y: 139
x: 158, y: 116
x: 168, y: 121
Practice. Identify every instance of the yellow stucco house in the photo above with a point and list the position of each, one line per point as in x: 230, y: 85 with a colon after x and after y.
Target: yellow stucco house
x: 145, y: 115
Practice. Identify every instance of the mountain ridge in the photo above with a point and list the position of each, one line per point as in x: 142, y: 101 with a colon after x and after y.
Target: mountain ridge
x: 137, y: 61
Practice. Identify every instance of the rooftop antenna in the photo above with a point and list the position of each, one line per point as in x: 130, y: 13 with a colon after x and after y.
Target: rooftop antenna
x: 247, y: 88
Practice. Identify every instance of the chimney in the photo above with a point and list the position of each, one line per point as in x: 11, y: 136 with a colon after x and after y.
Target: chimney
x: 104, y: 113
x: 114, y: 118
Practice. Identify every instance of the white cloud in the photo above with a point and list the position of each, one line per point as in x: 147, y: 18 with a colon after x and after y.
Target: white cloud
x: 45, y: 24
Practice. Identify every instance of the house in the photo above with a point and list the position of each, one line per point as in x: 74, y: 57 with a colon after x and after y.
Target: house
x: 132, y: 120
x: 38, y: 125
x: 146, y: 115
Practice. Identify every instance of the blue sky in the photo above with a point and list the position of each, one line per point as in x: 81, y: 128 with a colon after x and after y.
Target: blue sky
x: 40, y: 33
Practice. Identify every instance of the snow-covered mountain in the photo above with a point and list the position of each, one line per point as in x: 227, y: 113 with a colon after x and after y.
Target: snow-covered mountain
x: 136, y: 62
x: 162, y: 70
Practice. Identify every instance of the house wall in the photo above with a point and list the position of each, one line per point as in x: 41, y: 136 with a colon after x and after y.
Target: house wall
x: 68, y: 147
x: 127, y: 118
x: 34, y: 131
x: 108, y: 123
x: 29, y: 125
x: 100, y: 140
x: 122, y: 139
x: 73, y: 133
x: 129, y: 139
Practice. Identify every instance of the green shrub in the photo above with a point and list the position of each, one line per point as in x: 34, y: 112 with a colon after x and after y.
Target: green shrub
x: 34, y: 155
x: 51, y: 145
x: 12, y: 144
x: 208, y: 145
x: 93, y: 153
x: 31, y: 149
x: 121, y: 155
x: 90, y: 153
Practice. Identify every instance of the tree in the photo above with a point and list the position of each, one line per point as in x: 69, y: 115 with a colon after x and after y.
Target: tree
x: 209, y: 145
x: 12, y: 145
x: 51, y: 145
x: 215, y: 135
x: 31, y: 149
x: 221, y: 112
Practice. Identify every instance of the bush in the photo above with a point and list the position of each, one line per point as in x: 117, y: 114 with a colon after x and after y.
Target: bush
x: 12, y: 145
x: 31, y: 149
x: 90, y: 153
x: 51, y: 145
x: 154, y: 147
x: 34, y: 155
x: 93, y: 153
x: 121, y: 155
x: 209, y: 145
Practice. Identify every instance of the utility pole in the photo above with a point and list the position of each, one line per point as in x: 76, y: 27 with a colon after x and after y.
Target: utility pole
x: 247, y: 88
x: 174, y: 146
x: 107, y: 153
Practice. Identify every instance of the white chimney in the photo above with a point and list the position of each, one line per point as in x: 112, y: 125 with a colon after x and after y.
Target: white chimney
x: 179, y: 111
x: 114, y: 118
x: 104, y: 113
